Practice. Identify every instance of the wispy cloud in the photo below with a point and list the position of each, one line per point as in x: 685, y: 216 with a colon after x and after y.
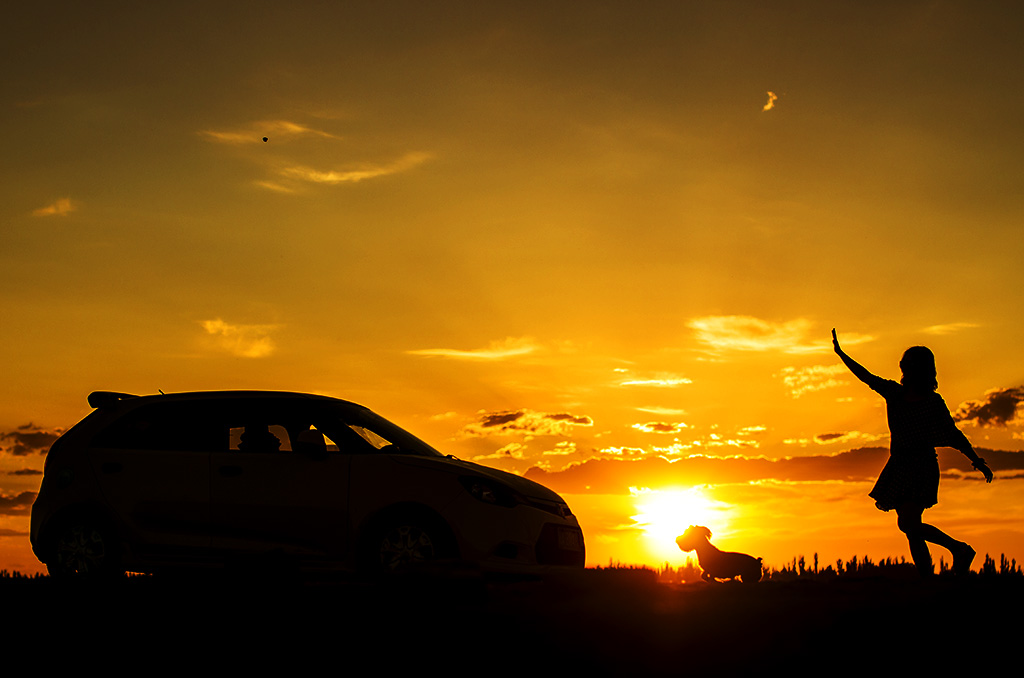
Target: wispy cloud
x: 660, y: 427
x: 510, y: 451
x: 524, y: 422
x: 747, y: 333
x: 273, y: 130
x: 948, y: 328
x: 245, y: 341
x: 510, y: 347
x: 354, y: 175
x: 845, y: 437
x: 60, y: 208
x: 663, y: 411
x: 999, y: 407
x: 658, y: 379
x: 275, y: 187
x: 801, y: 380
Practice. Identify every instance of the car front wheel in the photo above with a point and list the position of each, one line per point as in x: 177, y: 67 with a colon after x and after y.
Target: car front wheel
x: 410, y: 544
x: 406, y: 546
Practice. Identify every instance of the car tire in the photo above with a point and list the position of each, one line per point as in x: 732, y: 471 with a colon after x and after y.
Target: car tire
x: 84, y: 549
x: 410, y: 543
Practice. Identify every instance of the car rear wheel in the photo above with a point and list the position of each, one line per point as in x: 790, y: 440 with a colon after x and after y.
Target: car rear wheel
x: 84, y: 549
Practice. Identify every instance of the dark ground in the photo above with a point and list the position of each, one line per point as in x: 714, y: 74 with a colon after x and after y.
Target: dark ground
x: 598, y: 622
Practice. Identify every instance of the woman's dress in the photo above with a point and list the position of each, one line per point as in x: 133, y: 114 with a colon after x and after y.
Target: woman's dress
x: 918, y: 423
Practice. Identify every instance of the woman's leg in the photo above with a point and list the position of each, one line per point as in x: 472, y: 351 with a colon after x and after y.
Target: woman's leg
x: 909, y: 522
x: 908, y: 519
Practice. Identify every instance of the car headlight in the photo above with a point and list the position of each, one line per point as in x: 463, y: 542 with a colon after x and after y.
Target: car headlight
x: 490, y: 492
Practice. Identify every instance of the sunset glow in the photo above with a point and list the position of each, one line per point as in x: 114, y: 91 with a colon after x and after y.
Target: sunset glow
x: 665, y: 514
x: 601, y: 245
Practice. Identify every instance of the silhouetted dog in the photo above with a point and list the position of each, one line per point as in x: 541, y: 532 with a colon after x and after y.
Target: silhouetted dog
x: 718, y: 564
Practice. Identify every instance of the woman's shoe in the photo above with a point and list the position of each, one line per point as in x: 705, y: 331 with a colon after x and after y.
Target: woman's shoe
x: 962, y: 559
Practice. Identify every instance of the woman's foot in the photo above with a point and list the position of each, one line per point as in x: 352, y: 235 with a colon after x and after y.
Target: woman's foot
x: 963, y: 556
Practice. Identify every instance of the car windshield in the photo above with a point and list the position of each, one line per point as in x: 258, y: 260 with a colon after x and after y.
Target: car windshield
x: 376, y: 431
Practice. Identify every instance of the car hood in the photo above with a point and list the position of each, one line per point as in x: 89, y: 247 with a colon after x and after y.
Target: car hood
x: 521, y: 485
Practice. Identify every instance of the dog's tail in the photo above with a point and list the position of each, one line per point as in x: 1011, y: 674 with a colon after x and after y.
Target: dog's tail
x: 754, y: 574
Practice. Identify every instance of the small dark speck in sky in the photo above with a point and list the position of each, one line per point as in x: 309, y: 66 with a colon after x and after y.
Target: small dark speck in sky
x: 264, y: 138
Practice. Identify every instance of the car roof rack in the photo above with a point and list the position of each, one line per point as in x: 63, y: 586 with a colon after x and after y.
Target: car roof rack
x: 98, y: 399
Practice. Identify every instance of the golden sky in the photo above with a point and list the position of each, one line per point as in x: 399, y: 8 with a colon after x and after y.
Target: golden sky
x: 587, y: 239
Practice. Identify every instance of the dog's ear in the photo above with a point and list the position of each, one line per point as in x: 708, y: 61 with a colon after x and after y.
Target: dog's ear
x: 706, y: 531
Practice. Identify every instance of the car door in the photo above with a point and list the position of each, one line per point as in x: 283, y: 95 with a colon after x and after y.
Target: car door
x: 280, y: 486
x: 152, y: 466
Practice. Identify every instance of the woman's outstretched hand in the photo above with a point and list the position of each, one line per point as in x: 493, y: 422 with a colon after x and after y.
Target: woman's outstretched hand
x: 985, y: 470
x: 835, y: 342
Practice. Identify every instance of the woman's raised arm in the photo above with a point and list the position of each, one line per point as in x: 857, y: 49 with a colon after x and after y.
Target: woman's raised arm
x: 858, y: 370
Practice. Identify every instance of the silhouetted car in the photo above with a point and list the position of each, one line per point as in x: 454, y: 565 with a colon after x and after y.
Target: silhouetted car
x: 146, y: 483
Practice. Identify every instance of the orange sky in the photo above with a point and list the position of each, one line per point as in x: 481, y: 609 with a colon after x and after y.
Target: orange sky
x: 569, y: 237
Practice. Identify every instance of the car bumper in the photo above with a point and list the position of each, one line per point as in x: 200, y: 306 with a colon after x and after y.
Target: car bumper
x: 518, y: 538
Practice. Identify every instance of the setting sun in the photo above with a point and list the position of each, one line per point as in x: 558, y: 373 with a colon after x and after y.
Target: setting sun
x: 663, y: 515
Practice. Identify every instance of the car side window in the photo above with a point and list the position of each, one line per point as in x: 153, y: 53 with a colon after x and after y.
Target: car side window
x: 258, y: 437
x: 376, y: 440
x: 311, y: 440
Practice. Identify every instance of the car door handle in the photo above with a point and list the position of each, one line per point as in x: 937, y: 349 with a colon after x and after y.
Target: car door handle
x: 230, y: 471
x: 111, y: 467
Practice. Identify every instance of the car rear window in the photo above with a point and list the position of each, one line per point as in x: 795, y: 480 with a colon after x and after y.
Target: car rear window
x: 164, y: 426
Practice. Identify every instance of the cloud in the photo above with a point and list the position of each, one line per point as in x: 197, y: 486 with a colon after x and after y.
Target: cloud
x: 999, y: 407
x: 60, y: 208
x: 28, y: 439
x: 274, y: 130
x: 561, y: 449
x: 660, y: 427
x: 616, y: 473
x: 829, y: 437
x: 772, y: 98
x: 659, y: 379
x: 710, y: 441
x: 845, y: 437
x: 245, y: 341
x: 623, y: 453
x: 276, y: 187
x: 524, y: 422
x: 663, y: 381
x: 663, y: 411
x: 948, y: 328
x: 510, y: 451
x: 801, y: 380
x: 18, y: 505
x: 747, y: 333
x: 406, y: 162
x: 509, y: 347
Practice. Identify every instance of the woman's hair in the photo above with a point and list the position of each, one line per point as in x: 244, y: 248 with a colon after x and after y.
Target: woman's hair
x: 918, y: 365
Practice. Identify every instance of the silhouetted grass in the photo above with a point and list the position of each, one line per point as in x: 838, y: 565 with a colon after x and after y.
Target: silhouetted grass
x: 864, y: 566
x: 616, y: 620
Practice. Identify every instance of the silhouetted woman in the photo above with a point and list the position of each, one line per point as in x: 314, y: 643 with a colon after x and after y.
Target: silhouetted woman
x: 919, y: 421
